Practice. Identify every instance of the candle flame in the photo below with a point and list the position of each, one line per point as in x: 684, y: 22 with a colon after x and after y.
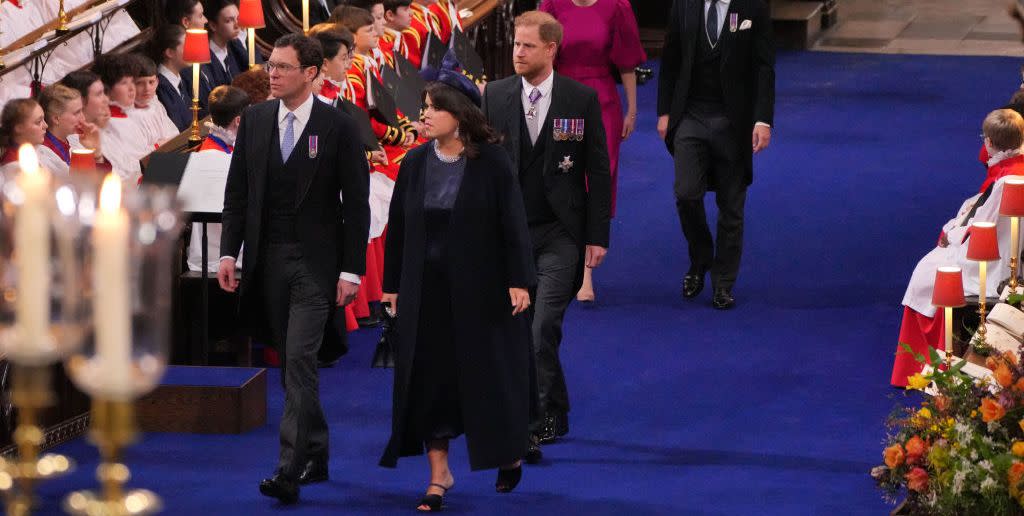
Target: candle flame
x: 27, y: 159
x: 110, y: 194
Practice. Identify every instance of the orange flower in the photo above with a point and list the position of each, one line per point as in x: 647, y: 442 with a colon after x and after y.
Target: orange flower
x: 991, y: 410
x: 916, y: 448
x: 1015, y: 475
x: 991, y: 362
x: 1010, y: 357
x: 941, y: 403
x: 893, y: 456
x: 1003, y: 375
x: 1018, y: 448
x: 1019, y: 386
x: 917, y: 480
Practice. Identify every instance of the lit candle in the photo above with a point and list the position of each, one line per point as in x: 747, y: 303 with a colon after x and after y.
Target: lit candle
x: 251, y: 35
x: 982, y: 277
x: 112, y: 307
x: 32, y: 252
x: 305, y: 16
x: 948, y: 320
x: 195, y: 81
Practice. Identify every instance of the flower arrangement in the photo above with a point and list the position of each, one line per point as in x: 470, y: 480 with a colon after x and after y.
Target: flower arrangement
x: 962, y: 451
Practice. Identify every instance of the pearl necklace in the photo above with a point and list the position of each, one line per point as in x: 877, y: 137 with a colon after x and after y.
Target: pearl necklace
x: 444, y: 157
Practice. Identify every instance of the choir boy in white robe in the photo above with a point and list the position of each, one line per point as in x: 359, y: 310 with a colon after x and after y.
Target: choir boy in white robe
x: 121, y: 136
x: 157, y: 127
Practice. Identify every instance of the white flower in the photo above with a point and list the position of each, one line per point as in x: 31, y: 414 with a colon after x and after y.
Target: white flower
x: 958, y: 481
x: 974, y: 455
x: 984, y: 465
x: 988, y: 484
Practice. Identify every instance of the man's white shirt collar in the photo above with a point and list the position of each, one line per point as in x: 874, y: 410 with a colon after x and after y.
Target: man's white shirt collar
x: 301, y: 113
x: 544, y: 87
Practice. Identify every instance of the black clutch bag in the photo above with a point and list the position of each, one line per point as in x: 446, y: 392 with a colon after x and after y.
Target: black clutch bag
x: 384, y: 355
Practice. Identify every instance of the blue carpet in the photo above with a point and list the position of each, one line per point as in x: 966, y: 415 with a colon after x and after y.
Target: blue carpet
x: 774, y: 408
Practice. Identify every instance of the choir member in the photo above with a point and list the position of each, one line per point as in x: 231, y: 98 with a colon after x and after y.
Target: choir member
x: 256, y: 83
x: 166, y: 48
x: 402, y: 39
x: 67, y: 129
x: 121, y: 134
x: 21, y: 121
x: 187, y: 13
x: 156, y: 125
x: 228, y: 56
x: 922, y: 325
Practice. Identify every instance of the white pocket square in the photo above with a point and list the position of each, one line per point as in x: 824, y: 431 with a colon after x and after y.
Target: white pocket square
x: 746, y: 24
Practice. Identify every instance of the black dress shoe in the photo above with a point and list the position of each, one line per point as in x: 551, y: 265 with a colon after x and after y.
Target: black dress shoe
x: 723, y: 299
x: 277, y: 486
x: 533, y: 452
x: 315, y: 471
x: 693, y: 284
x: 508, y: 479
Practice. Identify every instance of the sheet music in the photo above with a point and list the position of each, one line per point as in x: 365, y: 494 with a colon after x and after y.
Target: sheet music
x: 202, y: 185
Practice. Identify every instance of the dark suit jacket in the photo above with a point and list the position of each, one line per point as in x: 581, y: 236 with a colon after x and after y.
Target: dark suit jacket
x: 204, y: 89
x: 238, y: 62
x: 332, y: 234
x: 585, y: 214
x: 178, y: 109
x: 747, y: 68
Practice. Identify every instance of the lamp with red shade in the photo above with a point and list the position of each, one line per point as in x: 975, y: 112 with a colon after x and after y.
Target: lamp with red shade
x: 83, y: 161
x: 250, y: 18
x: 948, y: 294
x: 197, y: 52
x: 983, y: 247
x: 1012, y: 205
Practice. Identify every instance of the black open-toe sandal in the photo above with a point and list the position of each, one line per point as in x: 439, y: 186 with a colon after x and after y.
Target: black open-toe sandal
x: 432, y: 501
x: 508, y: 479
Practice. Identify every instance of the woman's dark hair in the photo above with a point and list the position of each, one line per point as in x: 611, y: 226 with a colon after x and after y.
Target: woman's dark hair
x: 255, y: 82
x: 15, y: 112
x: 112, y: 68
x: 212, y: 8
x: 167, y: 37
x: 175, y: 10
x: 80, y: 80
x: 226, y: 103
x: 331, y: 37
x: 473, y: 126
x: 310, y: 52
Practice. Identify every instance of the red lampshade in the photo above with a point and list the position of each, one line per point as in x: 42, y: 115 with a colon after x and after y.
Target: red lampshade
x: 949, y: 287
x: 197, y: 46
x: 250, y: 14
x: 1012, y: 203
x: 83, y: 161
x: 983, y: 245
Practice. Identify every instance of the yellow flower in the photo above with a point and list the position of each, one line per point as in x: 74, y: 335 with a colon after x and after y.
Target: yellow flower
x: 1021, y: 423
x: 974, y: 413
x: 1018, y: 448
x: 917, y: 382
x: 924, y: 413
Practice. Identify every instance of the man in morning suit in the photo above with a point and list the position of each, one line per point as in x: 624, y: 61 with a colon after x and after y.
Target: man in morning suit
x: 716, y: 90
x: 296, y: 196
x: 553, y: 132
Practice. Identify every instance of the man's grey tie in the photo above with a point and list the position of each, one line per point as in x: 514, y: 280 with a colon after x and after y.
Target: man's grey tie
x: 288, y: 142
x: 533, y: 122
x: 712, y: 23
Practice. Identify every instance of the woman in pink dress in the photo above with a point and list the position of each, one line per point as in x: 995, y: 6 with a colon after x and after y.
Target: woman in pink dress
x: 601, y: 39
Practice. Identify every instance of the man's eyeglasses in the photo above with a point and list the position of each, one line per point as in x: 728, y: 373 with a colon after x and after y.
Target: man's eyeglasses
x: 282, y: 67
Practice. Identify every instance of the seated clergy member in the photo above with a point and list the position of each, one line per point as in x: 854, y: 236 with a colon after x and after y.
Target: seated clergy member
x: 226, y: 106
x: 21, y: 121
x: 156, y: 125
x: 174, y: 93
x: 922, y: 324
x: 124, y: 146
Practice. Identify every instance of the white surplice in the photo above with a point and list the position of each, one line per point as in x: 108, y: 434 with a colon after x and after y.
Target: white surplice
x: 918, y: 296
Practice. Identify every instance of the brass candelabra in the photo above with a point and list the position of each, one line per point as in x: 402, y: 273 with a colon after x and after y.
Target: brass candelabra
x: 30, y: 394
x: 62, y: 20
x: 112, y: 429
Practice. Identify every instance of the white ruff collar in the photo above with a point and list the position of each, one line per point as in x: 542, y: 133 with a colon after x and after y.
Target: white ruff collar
x: 994, y: 159
x: 224, y: 134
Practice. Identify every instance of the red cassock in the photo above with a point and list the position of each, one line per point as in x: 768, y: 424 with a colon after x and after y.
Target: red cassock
x: 920, y: 331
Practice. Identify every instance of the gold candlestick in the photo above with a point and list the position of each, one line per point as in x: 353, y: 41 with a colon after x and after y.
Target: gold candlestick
x: 194, y: 138
x: 982, y: 277
x: 62, y: 20
x: 112, y: 429
x: 1015, y: 250
x: 2, y: 65
x: 30, y: 394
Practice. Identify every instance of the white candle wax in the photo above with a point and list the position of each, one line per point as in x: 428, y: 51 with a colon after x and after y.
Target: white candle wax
x: 305, y: 16
x: 112, y: 310
x: 948, y: 316
x: 195, y: 81
x: 32, y: 254
x: 982, y: 278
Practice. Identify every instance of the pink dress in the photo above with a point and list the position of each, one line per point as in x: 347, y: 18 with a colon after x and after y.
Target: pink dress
x: 599, y: 40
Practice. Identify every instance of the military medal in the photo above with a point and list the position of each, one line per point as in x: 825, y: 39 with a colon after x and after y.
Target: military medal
x: 565, y: 165
x: 734, y: 19
x: 313, y: 141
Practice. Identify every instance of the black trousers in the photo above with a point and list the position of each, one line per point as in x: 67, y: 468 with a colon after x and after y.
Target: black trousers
x: 706, y: 150
x: 298, y: 312
x: 557, y: 256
